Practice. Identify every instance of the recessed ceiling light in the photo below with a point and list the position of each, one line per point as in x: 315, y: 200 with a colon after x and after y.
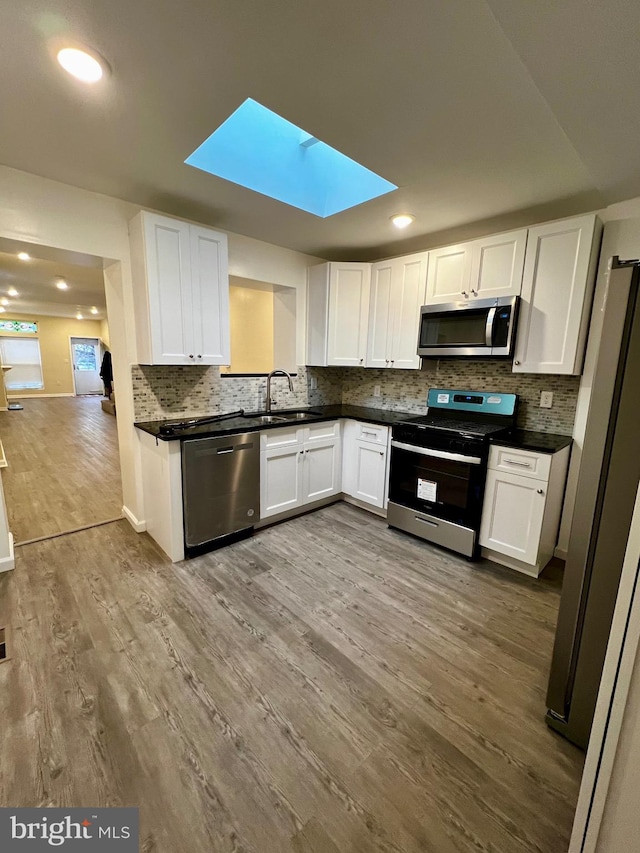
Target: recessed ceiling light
x: 61, y: 284
x: 12, y: 292
x: 82, y: 64
x: 4, y: 301
x: 79, y: 316
x: 24, y: 256
x: 94, y: 310
x: 402, y: 220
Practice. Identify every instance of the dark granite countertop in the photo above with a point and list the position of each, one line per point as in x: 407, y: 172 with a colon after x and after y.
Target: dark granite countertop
x: 249, y: 424
x: 526, y: 439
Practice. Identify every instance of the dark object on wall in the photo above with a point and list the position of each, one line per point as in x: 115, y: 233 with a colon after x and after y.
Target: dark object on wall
x: 106, y: 374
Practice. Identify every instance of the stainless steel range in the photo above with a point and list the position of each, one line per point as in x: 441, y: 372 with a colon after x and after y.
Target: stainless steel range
x: 439, y: 465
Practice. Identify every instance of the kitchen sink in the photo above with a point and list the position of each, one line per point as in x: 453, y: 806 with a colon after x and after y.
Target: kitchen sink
x: 298, y: 416
x: 267, y: 419
x: 278, y: 417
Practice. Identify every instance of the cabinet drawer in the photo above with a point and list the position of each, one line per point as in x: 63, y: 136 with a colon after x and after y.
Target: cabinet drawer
x: 321, y: 432
x: 373, y: 433
x: 526, y: 463
x: 287, y: 437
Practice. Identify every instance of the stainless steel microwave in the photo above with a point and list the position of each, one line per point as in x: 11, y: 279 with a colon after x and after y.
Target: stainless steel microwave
x: 477, y: 328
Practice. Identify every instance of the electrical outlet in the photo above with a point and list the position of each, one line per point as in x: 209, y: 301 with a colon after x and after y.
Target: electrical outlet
x: 313, y: 383
x: 546, y: 399
x: 376, y: 390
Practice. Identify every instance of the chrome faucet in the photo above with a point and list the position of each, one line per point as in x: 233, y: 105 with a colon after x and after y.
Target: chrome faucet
x: 269, y: 378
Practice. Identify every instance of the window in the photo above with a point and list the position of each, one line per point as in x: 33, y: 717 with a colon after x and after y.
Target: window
x: 259, y: 149
x: 85, y: 356
x: 23, y: 354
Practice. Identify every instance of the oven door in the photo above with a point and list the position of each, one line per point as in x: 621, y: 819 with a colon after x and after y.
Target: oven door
x: 437, y: 482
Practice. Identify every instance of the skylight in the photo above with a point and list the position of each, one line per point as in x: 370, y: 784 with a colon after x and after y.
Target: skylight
x: 264, y: 152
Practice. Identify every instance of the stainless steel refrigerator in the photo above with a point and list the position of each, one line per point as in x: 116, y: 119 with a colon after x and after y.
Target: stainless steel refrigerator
x: 607, y: 486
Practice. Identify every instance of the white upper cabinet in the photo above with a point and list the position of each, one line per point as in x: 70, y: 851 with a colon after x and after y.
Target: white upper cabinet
x: 397, y: 293
x: 380, y: 315
x: 210, y: 295
x: 181, y: 291
x: 449, y: 276
x: 338, y: 314
x: 481, y: 269
x: 557, y: 289
x: 496, y: 265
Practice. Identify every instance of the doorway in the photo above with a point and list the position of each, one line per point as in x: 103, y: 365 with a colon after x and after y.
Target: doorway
x: 86, y: 356
x: 60, y: 442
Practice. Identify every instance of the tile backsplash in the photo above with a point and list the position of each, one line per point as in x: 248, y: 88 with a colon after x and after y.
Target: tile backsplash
x: 169, y: 392
x: 161, y: 392
x: 407, y: 389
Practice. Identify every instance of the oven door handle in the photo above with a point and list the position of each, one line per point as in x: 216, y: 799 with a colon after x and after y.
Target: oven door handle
x: 440, y: 454
x: 488, y: 329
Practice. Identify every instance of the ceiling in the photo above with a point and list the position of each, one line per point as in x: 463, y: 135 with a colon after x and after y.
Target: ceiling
x: 478, y: 111
x: 35, y: 280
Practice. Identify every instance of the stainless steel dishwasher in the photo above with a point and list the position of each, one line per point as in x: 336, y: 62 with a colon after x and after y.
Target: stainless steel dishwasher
x: 220, y: 488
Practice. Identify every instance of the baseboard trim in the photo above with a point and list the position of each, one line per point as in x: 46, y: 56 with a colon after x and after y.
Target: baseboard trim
x: 138, y: 526
x: 561, y: 554
x: 8, y: 563
x: 376, y: 510
x: 38, y: 396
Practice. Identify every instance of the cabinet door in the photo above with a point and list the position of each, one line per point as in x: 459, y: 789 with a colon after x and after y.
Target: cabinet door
x: 348, y: 314
x: 408, y: 296
x: 557, y: 287
x: 369, y: 473
x: 168, y: 271
x: 280, y: 480
x: 496, y: 265
x: 322, y: 467
x: 210, y: 295
x: 380, y: 315
x: 512, y: 515
x: 449, y: 276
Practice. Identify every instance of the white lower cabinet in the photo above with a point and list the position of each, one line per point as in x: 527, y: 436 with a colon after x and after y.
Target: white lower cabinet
x: 522, y: 507
x: 364, y: 463
x: 298, y: 465
x: 280, y: 480
x: 321, y: 470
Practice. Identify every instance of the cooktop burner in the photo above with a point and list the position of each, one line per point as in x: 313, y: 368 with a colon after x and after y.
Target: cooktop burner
x: 457, y: 425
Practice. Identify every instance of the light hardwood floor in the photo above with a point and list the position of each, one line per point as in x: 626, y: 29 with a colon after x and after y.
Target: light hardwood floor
x: 64, y: 469
x: 328, y: 686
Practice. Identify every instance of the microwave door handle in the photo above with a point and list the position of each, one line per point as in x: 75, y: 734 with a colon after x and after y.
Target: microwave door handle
x: 488, y: 329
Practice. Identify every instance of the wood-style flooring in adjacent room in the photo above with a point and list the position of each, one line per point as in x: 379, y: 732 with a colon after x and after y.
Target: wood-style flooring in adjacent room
x: 328, y: 686
x: 63, y: 466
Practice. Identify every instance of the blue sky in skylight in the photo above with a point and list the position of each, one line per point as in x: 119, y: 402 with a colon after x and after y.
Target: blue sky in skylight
x: 259, y: 149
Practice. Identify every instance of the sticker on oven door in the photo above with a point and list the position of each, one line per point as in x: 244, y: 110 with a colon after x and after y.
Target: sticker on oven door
x: 443, y: 398
x: 427, y: 490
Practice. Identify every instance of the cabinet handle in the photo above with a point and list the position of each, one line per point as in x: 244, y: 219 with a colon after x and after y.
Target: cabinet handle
x: 191, y: 356
x: 382, y: 453
x: 361, y: 360
x: 474, y: 292
x: 521, y: 464
x: 464, y: 293
x: 516, y: 362
x: 386, y: 360
x: 540, y: 491
x: 392, y: 360
x: 301, y: 452
x: 199, y: 356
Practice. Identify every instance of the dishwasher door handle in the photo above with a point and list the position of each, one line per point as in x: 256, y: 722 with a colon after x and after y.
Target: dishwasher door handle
x: 222, y: 450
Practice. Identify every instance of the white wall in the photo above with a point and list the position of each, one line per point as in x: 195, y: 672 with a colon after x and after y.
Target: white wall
x: 37, y: 210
